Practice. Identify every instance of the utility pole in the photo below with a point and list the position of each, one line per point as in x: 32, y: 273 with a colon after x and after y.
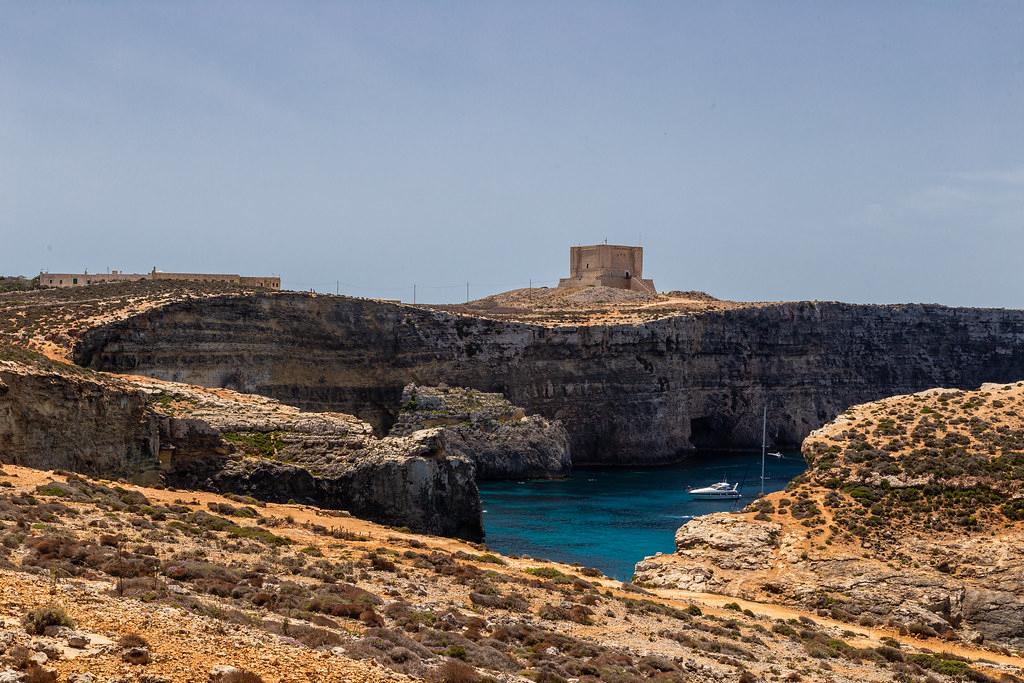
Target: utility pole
x: 414, y: 293
x: 467, y: 291
x: 337, y: 287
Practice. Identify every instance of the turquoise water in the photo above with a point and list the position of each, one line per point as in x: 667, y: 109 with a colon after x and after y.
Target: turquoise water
x: 611, y: 518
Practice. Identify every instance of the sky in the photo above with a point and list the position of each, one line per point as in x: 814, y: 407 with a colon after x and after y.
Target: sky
x: 765, y: 150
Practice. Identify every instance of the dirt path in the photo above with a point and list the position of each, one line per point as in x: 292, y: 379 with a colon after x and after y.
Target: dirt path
x: 868, y: 636
x: 377, y: 535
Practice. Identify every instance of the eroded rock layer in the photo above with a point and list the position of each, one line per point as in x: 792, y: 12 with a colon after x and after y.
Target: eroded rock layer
x: 503, y: 441
x: 69, y: 420
x: 53, y: 416
x: 636, y: 393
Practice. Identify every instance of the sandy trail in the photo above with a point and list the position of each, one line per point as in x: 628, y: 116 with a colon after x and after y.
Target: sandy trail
x: 377, y: 535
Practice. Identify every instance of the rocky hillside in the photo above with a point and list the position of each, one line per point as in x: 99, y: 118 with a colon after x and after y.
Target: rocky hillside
x: 626, y: 393
x: 911, y: 514
x: 51, y: 320
x: 106, y: 582
x: 903, y: 540
x: 501, y: 439
x: 554, y: 307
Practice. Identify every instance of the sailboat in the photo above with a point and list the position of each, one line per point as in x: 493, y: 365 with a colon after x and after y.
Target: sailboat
x: 764, y: 444
x: 723, y: 490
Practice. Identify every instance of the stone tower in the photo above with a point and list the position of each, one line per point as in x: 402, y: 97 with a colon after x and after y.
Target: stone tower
x: 607, y: 265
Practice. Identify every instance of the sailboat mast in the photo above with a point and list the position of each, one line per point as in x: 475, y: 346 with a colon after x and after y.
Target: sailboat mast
x: 764, y: 443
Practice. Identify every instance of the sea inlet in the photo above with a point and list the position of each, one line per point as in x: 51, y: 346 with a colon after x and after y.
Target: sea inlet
x: 611, y: 518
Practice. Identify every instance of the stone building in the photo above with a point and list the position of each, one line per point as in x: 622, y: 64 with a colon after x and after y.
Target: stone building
x: 62, y: 280
x: 607, y: 265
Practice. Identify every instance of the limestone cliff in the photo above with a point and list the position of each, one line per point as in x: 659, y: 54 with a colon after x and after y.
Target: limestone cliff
x: 58, y: 417
x: 500, y: 438
x: 631, y: 393
x: 54, y: 416
x: 911, y: 514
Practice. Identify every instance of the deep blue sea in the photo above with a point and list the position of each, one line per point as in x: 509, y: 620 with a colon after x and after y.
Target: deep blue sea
x: 611, y: 518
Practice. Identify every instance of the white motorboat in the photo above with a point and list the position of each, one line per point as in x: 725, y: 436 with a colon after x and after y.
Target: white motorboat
x: 723, y: 490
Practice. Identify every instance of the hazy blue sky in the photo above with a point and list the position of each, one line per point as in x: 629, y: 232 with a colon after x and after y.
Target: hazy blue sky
x: 863, y: 151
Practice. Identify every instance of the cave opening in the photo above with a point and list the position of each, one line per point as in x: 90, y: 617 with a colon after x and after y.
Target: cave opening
x: 708, y: 432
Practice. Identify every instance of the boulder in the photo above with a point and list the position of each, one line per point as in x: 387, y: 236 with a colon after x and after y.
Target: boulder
x: 728, y: 541
x: 996, y: 615
x: 136, y: 655
x: 220, y: 671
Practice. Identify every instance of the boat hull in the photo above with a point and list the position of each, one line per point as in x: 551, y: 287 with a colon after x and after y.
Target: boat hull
x: 730, y: 495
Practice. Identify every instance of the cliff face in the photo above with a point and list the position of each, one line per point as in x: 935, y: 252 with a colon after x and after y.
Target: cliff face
x: 642, y: 393
x: 418, y: 482
x: 277, y: 453
x: 497, y: 436
x: 51, y: 420
x: 152, y: 431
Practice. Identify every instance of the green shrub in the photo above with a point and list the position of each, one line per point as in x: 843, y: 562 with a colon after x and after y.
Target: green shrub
x: 455, y: 651
x: 550, y: 573
x: 265, y: 444
x: 36, y: 621
x: 1014, y: 509
x: 54, y: 489
x: 257, y: 534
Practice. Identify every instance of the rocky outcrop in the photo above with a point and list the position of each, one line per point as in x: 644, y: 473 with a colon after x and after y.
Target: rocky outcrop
x: 909, y: 515
x: 857, y: 587
x: 739, y: 543
x: 415, y: 482
x: 632, y: 393
x: 278, y: 453
x: 52, y: 417
x: 69, y: 420
x: 500, y: 438
x: 707, y: 545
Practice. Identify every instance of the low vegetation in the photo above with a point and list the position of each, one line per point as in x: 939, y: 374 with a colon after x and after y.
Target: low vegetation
x: 406, y: 604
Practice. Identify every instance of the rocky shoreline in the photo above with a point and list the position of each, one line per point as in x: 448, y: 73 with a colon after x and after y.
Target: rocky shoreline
x: 910, y: 515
